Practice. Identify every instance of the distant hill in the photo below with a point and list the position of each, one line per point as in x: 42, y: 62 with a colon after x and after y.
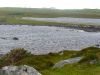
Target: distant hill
x: 49, y: 12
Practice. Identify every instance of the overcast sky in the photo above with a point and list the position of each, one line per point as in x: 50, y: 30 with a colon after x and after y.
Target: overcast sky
x: 59, y: 4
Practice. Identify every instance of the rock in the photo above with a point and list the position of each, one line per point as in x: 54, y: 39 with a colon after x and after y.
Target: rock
x: 3, y: 38
x: 68, y: 61
x: 93, y: 61
x: 61, y: 53
x: 19, y: 70
x: 15, y: 38
x: 97, y: 45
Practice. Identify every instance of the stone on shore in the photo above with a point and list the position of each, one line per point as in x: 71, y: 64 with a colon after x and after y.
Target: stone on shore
x: 68, y: 61
x: 19, y: 70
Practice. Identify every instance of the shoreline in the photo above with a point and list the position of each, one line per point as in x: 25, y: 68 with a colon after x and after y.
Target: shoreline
x: 87, y: 28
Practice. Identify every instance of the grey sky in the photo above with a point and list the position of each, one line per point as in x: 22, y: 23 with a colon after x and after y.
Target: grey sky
x: 60, y: 4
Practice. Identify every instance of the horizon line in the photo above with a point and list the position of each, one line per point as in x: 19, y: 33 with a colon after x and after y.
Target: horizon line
x: 46, y: 8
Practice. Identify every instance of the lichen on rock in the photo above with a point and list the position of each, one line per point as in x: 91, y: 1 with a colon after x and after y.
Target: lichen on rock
x: 19, y: 70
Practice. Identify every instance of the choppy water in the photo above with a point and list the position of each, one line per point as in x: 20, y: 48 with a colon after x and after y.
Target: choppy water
x: 45, y: 39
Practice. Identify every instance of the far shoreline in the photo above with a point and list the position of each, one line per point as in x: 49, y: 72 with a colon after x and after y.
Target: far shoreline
x: 87, y: 28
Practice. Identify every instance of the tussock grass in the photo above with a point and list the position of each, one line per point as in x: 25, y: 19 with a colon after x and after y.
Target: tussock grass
x: 20, y: 56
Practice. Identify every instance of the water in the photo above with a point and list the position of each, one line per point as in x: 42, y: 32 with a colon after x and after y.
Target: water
x: 45, y: 39
x: 67, y: 20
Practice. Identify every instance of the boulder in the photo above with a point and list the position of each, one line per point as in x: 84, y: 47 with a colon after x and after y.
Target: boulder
x: 68, y: 61
x: 15, y: 38
x: 19, y: 70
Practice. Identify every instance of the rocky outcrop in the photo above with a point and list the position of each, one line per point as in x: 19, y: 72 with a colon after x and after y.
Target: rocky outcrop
x: 19, y: 70
x: 68, y: 61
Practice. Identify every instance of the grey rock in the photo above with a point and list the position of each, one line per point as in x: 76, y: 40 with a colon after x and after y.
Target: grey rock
x: 15, y: 38
x: 68, y: 61
x: 19, y: 70
x: 93, y: 61
x: 97, y: 45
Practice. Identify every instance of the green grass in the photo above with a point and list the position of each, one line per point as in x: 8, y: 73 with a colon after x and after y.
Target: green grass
x: 44, y: 63
x: 83, y: 67
x: 74, y: 69
x: 90, y: 54
x: 47, y: 12
x: 40, y: 62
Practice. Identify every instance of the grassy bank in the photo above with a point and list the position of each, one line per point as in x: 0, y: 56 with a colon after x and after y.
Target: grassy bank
x: 44, y: 63
x: 73, y: 69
